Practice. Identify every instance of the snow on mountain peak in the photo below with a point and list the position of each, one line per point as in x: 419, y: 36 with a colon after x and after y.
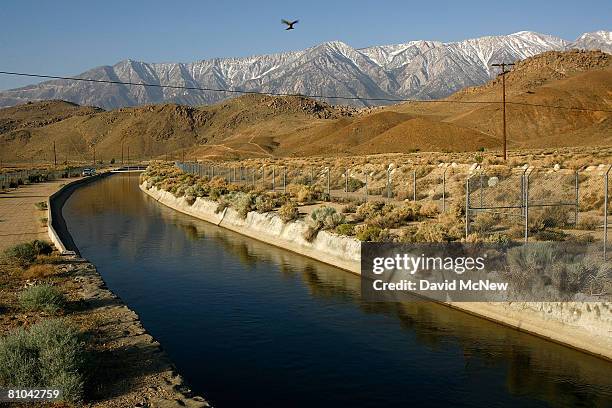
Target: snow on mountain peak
x: 414, y: 69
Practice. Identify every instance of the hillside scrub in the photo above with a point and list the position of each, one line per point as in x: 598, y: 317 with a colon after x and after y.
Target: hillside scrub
x: 414, y: 219
x: 50, y: 353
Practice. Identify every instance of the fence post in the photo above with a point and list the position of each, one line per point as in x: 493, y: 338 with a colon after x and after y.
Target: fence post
x: 444, y: 190
x: 284, y: 180
x: 273, y: 178
x: 605, y: 237
x: 388, y: 182
x: 526, y: 176
x: 346, y: 177
x: 414, y: 194
x: 467, y: 206
x: 481, y: 188
x: 328, y: 185
x: 577, y: 205
x: 366, y: 185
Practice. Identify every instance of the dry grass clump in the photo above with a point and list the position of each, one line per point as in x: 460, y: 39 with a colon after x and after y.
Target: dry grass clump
x: 589, y: 223
x: 38, y: 271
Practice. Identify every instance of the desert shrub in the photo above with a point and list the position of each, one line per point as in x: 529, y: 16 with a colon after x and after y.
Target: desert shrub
x: 215, y: 193
x: 49, y: 353
x: 264, y: 203
x: 241, y: 202
x: 349, y: 208
x: 325, y: 217
x: 190, y: 199
x: 483, y: 222
x: 346, y: 229
x: 354, y: 184
x: 432, y: 232
x: 391, y: 216
x: 444, y: 230
x: 496, y: 238
x: 549, y: 217
x: 589, y: 223
x: 550, y: 235
x: 42, y: 298
x: 41, y: 205
x: 288, y: 212
x: 429, y: 209
x: 369, y: 210
x: 222, y: 204
x: 180, y: 190
x: 457, y: 208
x: 26, y: 253
x: 301, y: 192
x: 333, y: 220
x: 322, y: 218
x: 370, y: 233
x: 310, y: 233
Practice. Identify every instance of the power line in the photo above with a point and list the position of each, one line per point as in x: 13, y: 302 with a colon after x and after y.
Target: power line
x: 236, y: 91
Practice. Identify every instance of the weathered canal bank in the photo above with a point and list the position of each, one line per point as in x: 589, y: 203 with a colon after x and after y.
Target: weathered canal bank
x: 135, y: 369
x: 585, y: 326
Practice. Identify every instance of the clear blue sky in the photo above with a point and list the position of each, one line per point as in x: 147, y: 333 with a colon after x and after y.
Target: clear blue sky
x: 68, y: 37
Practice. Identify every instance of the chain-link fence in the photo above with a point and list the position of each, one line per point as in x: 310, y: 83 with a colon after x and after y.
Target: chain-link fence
x: 16, y: 178
x: 354, y: 183
x: 522, y: 203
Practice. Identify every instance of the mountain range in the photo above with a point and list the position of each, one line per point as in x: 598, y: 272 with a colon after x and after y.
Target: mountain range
x: 415, y: 70
x: 555, y: 99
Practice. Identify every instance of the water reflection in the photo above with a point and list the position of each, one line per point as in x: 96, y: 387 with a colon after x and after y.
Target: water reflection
x: 231, y: 310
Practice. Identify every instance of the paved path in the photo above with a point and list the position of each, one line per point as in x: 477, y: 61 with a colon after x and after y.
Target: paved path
x: 19, y: 217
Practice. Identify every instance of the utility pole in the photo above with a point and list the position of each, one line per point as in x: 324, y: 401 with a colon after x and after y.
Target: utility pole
x: 122, y: 153
x: 94, y: 156
x: 503, y: 66
x: 54, y: 155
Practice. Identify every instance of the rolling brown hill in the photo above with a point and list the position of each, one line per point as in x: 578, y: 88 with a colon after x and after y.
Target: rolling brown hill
x: 259, y: 126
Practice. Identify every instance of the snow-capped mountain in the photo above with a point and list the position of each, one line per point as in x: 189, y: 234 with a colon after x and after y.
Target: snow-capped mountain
x: 416, y: 69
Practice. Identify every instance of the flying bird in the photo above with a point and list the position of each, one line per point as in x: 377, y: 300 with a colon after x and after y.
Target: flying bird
x: 289, y: 24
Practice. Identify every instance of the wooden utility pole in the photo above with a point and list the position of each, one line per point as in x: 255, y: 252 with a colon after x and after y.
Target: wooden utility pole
x: 122, y: 153
x: 54, y: 155
x: 503, y: 66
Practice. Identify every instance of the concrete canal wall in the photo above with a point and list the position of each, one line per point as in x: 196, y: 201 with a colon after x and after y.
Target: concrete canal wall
x: 586, y: 326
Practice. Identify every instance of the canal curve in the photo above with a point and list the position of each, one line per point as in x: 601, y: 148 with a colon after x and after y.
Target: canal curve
x: 248, y: 324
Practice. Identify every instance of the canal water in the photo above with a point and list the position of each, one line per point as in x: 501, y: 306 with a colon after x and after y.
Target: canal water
x: 248, y: 324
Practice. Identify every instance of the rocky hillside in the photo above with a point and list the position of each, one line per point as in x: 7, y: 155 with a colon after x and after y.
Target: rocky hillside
x: 263, y: 126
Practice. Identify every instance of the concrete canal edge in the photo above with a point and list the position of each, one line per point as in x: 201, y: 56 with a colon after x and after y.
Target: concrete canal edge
x: 585, y: 326
x: 172, y: 384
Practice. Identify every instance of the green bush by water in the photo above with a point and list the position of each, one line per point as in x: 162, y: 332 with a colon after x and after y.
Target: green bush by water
x: 49, y: 354
x: 26, y: 253
x: 42, y: 298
